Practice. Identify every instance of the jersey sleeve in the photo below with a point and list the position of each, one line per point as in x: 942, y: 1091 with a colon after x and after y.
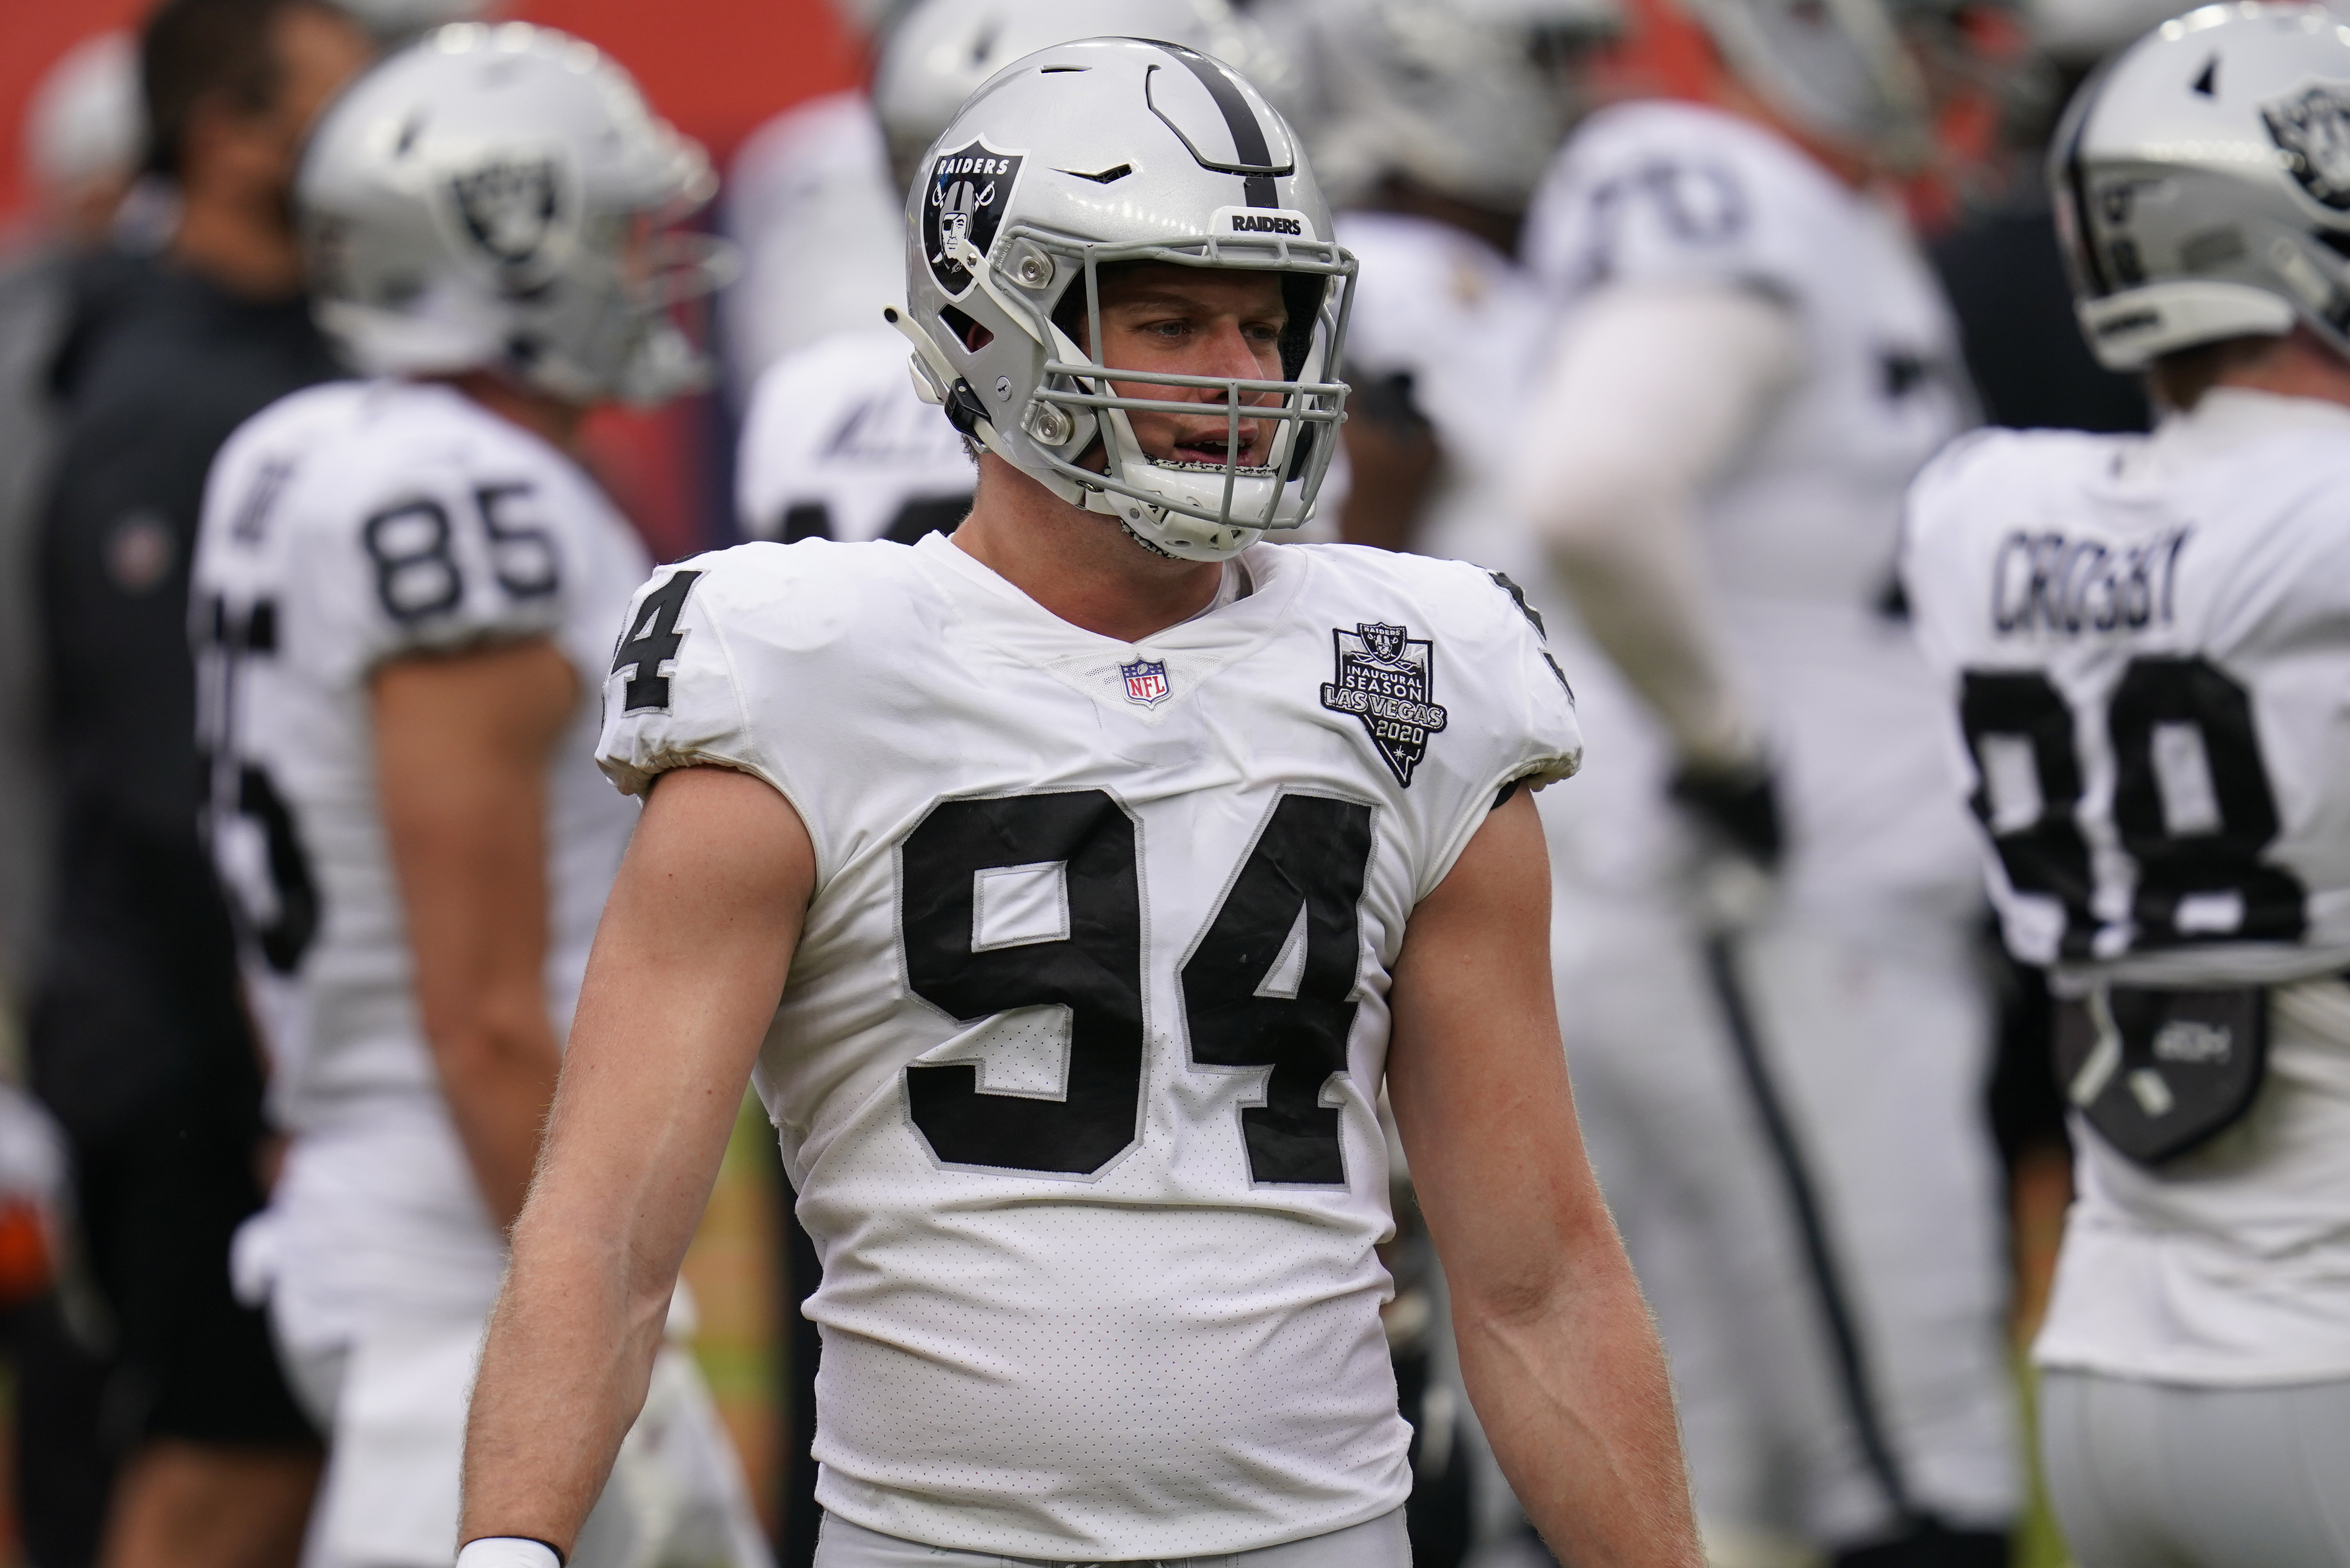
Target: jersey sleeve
x: 1654, y: 195
x: 1933, y: 566
x: 1551, y: 742
x: 672, y: 700
x: 437, y: 557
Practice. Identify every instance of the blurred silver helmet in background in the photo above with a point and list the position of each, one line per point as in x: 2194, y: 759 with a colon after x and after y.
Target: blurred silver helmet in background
x: 395, y: 21
x: 1836, y: 69
x: 1104, y: 152
x: 2204, y: 184
x: 938, y: 52
x: 496, y: 196
x: 1470, y: 98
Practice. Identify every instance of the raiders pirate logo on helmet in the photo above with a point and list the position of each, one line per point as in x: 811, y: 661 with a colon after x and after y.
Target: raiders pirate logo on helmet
x: 2314, y: 127
x: 509, y: 208
x: 969, y: 191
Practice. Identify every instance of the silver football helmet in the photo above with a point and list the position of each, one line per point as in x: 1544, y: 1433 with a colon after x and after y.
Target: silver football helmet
x: 938, y: 52
x: 1836, y: 67
x: 2204, y: 184
x: 499, y: 196
x: 1103, y: 151
x: 1470, y: 98
x: 396, y: 21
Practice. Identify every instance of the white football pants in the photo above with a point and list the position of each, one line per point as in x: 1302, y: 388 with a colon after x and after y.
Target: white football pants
x: 2152, y: 1475
x: 393, y: 1405
x: 1875, y: 1036
x: 1380, y: 1543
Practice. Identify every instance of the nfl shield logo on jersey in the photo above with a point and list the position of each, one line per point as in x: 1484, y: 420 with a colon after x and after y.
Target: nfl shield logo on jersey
x: 1146, y: 682
x: 1388, y: 680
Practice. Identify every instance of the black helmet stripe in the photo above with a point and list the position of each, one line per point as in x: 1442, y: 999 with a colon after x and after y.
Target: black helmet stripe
x: 1254, y: 157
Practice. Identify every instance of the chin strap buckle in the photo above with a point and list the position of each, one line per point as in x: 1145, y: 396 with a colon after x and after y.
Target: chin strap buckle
x: 966, y: 412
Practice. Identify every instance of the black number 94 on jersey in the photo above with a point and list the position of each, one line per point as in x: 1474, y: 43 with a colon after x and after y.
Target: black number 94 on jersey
x: 1270, y: 984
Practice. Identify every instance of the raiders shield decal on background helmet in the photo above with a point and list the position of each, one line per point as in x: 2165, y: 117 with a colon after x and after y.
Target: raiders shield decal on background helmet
x: 969, y: 191
x: 509, y: 208
x: 1387, y: 678
x: 2313, y: 126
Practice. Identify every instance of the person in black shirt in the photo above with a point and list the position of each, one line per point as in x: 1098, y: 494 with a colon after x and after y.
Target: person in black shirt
x: 137, y: 1036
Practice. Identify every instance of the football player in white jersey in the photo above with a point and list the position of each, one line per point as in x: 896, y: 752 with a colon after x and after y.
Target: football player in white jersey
x: 834, y: 443
x: 1782, y: 1074
x: 1069, y: 888
x: 403, y: 601
x: 2147, y: 640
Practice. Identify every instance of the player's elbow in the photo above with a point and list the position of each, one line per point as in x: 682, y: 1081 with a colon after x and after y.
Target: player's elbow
x: 487, y: 1040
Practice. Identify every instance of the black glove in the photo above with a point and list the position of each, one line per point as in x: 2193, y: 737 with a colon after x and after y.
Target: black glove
x: 1739, y: 805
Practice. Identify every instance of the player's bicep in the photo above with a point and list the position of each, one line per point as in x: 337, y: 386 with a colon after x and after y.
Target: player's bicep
x: 1477, y: 1078
x: 687, y: 970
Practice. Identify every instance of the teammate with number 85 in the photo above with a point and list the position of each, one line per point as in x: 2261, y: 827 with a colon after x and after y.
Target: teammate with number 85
x: 2149, y: 640
x: 405, y: 591
x: 1069, y: 885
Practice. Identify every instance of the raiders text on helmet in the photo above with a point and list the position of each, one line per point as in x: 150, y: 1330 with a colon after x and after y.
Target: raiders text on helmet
x: 494, y: 196
x: 2203, y: 183
x: 1084, y: 156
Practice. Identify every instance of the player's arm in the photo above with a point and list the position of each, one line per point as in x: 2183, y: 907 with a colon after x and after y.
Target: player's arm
x: 688, y: 966
x: 1561, y: 1359
x: 462, y: 744
x: 1652, y: 393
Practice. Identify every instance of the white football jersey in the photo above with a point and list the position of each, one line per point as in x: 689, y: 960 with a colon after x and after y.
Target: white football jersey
x: 837, y: 445
x: 344, y: 526
x: 1799, y: 538
x: 1077, y: 1066
x: 2145, y: 641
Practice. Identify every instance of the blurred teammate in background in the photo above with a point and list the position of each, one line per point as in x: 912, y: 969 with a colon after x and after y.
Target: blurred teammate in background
x: 2149, y: 640
x: 139, y: 1039
x: 835, y: 444
x: 84, y: 134
x: 406, y: 592
x: 1434, y: 120
x: 1766, y: 909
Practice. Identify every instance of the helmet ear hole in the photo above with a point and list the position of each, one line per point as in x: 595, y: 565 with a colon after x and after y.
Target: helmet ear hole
x: 969, y: 333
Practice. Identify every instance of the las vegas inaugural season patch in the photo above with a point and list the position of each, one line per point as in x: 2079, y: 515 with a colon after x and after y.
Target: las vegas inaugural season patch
x: 1387, y: 679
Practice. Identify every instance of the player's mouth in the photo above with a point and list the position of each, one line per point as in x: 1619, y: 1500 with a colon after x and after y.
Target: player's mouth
x: 1216, y: 449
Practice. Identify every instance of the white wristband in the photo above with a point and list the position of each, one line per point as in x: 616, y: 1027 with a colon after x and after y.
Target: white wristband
x: 508, y: 1551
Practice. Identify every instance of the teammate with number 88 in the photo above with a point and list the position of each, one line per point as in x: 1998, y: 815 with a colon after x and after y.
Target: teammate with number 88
x: 405, y: 589
x: 2147, y: 640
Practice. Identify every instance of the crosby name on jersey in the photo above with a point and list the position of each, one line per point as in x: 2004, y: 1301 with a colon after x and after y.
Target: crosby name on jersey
x: 1076, y: 1065
x: 345, y: 526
